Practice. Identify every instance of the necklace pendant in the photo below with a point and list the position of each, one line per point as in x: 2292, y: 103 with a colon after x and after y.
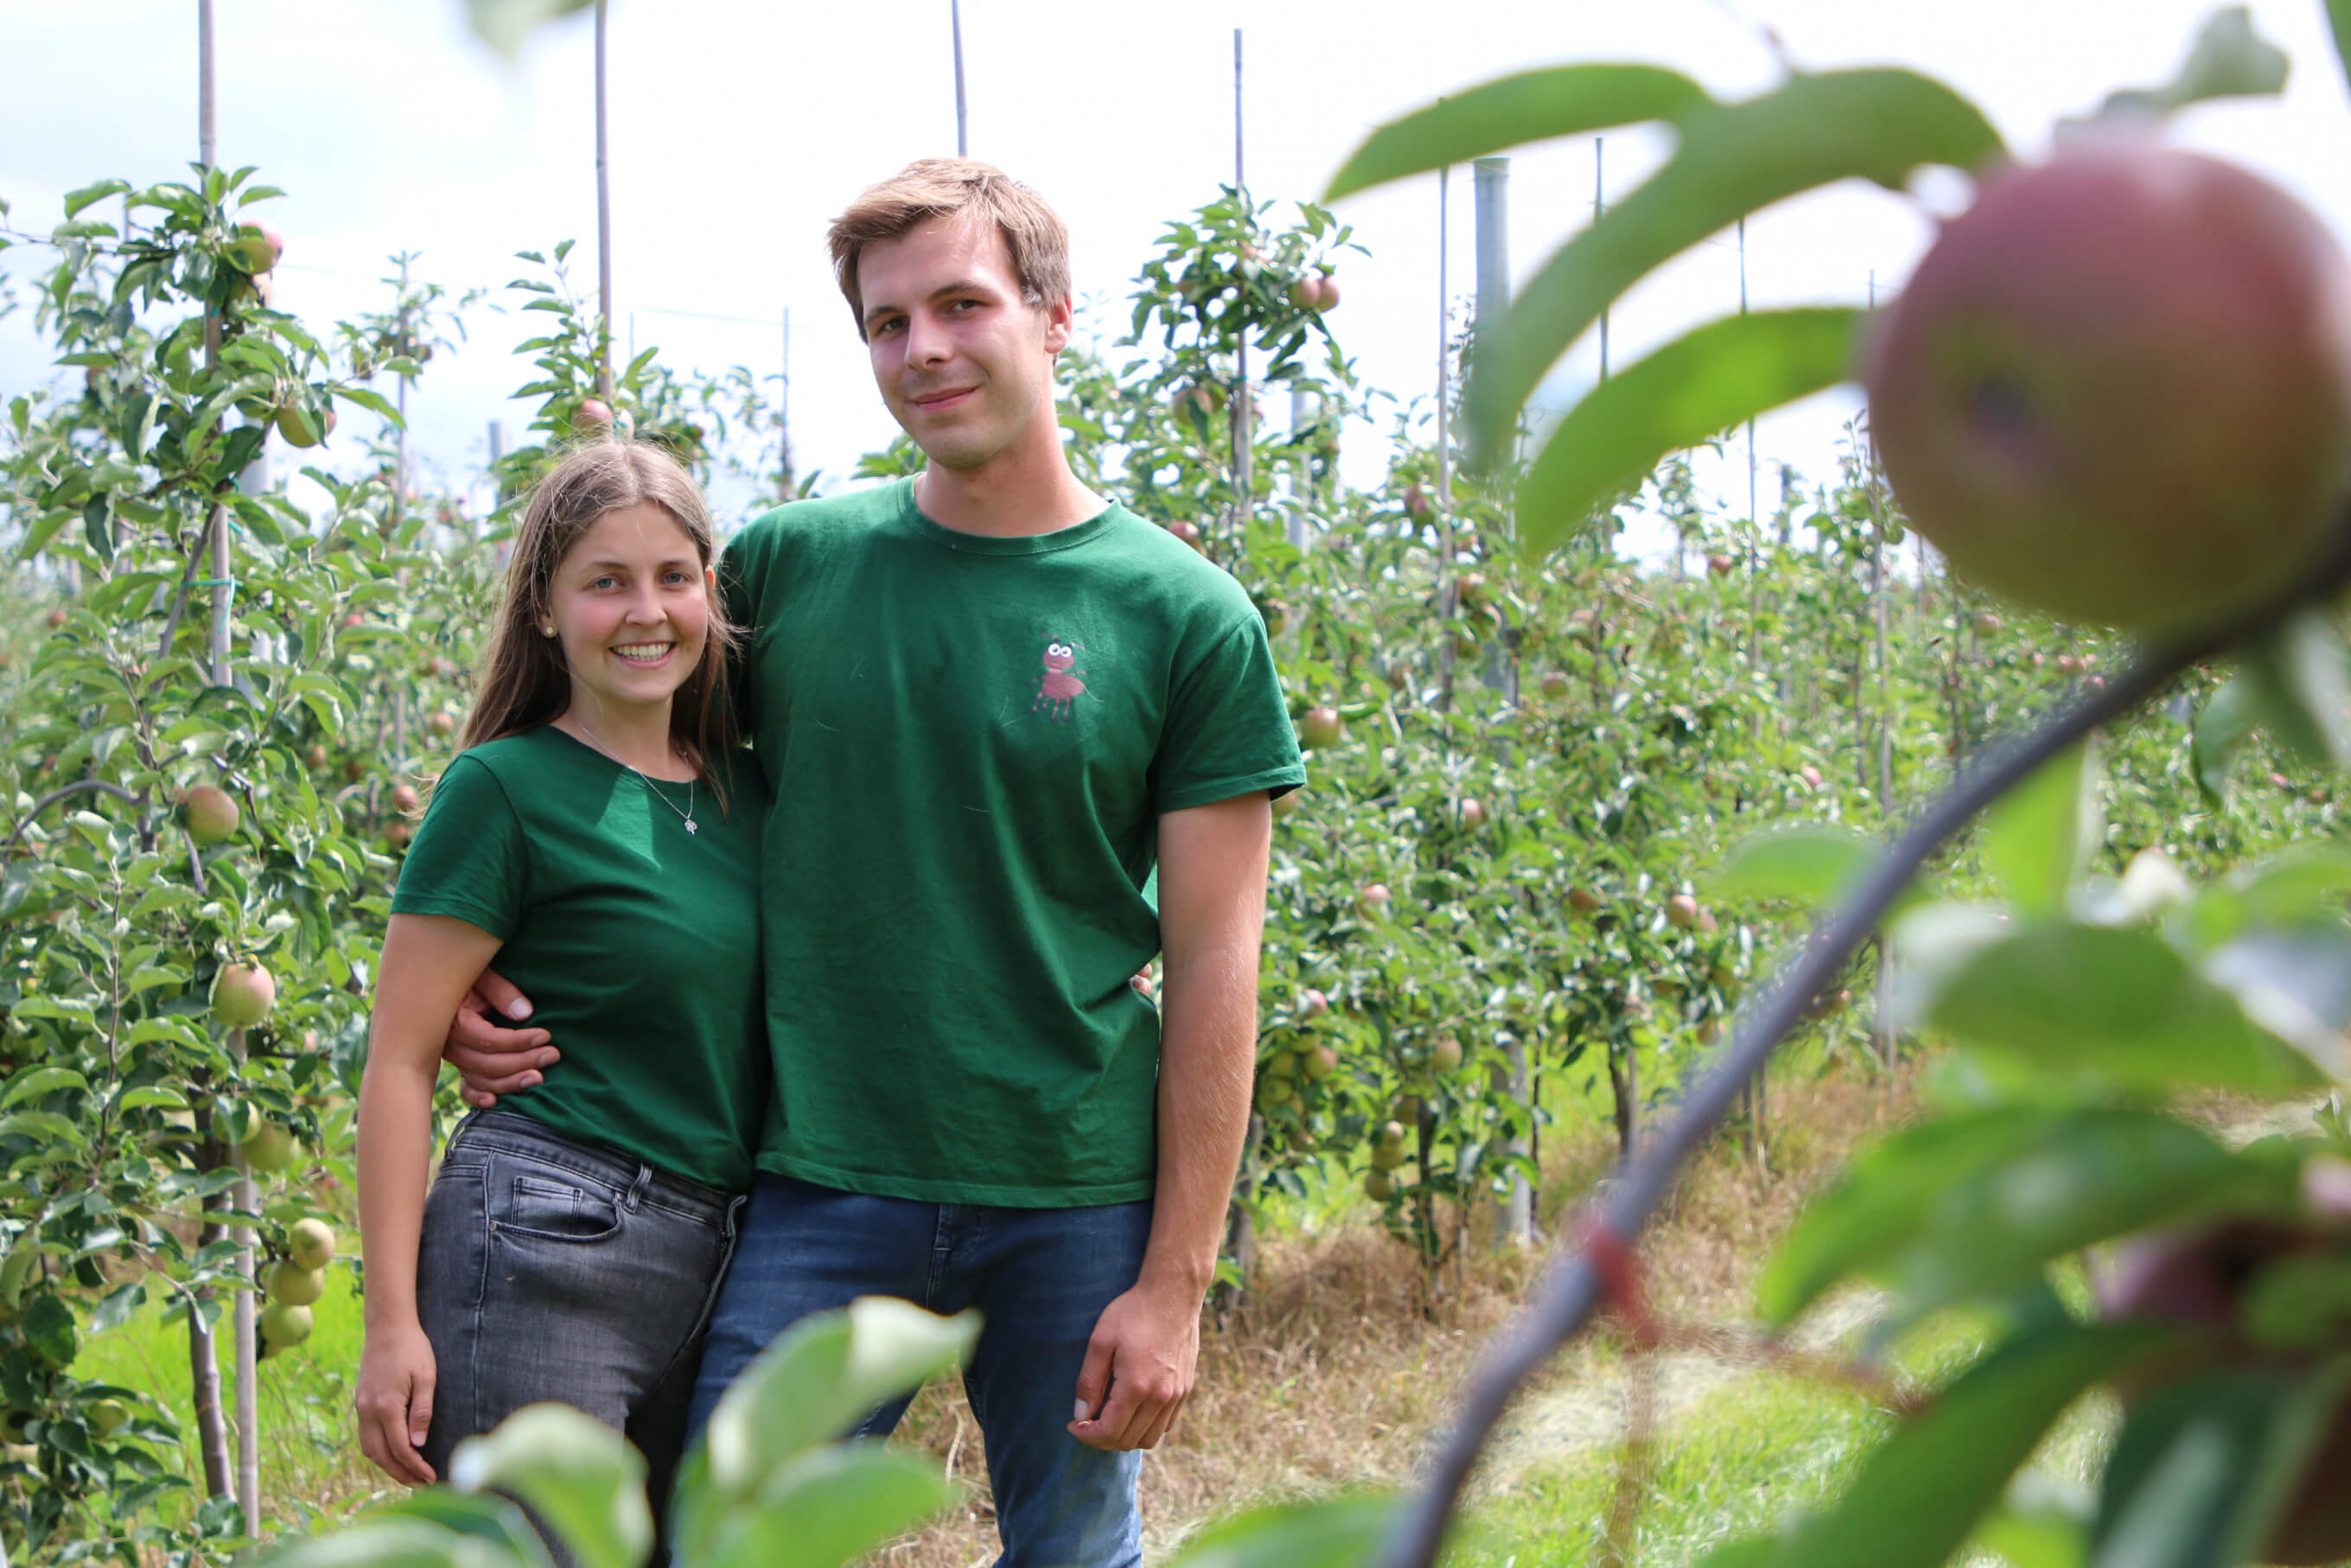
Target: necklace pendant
x: 692, y: 826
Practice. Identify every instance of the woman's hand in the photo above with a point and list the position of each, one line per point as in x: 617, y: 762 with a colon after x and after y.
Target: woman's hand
x: 395, y: 1401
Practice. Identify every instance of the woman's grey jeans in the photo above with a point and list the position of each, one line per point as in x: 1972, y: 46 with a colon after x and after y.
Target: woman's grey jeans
x: 549, y: 1271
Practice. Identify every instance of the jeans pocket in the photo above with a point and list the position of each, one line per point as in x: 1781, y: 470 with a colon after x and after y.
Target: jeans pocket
x: 553, y: 1210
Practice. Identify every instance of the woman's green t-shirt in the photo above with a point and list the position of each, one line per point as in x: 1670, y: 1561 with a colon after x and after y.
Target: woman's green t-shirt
x: 637, y: 942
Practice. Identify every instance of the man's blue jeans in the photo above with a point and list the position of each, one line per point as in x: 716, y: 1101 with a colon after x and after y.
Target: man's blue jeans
x: 1040, y: 1278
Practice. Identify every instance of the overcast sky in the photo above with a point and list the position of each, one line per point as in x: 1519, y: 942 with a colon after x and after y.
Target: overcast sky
x: 738, y: 129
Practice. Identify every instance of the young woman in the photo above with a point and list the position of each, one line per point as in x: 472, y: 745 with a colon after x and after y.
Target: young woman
x: 598, y: 836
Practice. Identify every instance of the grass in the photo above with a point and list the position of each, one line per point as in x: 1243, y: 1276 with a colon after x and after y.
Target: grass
x: 1339, y: 1372
x: 311, y: 1463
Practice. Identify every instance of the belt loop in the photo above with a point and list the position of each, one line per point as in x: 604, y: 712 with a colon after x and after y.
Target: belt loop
x: 637, y: 1187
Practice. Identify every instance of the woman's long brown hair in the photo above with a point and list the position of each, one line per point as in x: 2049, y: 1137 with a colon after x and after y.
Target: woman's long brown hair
x: 524, y: 682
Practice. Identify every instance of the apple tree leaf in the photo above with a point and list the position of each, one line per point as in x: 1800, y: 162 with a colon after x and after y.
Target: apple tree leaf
x: 2300, y: 677
x: 2205, y: 1463
x: 2122, y: 1005
x: 1969, y: 1204
x: 829, y: 1506
x: 2042, y: 1522
x: 1809, y: 863
x: 2299, y: 884
x: 1338, y: 1532
x: 1879, y: 125
x: 2224, y: 727
x: 1533, y: 106
x: 1919, y: 1495
x: 575, y: 1472
x: 2038, y: 837
x: 1718, y: 376
x: 2228, y: 60
x: 2338, y: 20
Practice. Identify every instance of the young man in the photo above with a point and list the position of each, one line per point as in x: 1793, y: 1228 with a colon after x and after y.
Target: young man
x: 990, y: 701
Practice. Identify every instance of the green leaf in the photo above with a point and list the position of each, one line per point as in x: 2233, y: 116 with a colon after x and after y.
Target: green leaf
x: 2042, y: 1523
x: 118, y: 1307
x: 1969, y: 1205
x: 1706, y: 381
x: 820, y: 1377
x: 2230, y: 60
x: 388, y: 1543
x: 1808, y: 863
x: 2299, y: 884
x: 1335, y: 1532
x: 491, y: 1520
x: 2038, y: 837
x: 1733, y: 159
x: 504, y: 24
x: 2229, y: 717
x: 2204, y: 1464
x: 2299, y: 677
x: 34, y: 1083
x: 1534, y: 106
x: 829, y: 1506
x: 48, y: 1325
x: 577, y: 1473
x: 2338, y: 21
x: 1919, y: 1495
x: 2123, y: 1004
x: 90, y: 195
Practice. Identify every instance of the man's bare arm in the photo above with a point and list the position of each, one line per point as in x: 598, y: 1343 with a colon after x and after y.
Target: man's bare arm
x: 1139, y: 1366
x: 493, y: 1057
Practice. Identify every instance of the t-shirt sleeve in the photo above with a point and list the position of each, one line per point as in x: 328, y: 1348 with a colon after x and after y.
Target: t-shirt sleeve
x: 1227, y: 730
x: 468, y: 860
x: 739, y: 566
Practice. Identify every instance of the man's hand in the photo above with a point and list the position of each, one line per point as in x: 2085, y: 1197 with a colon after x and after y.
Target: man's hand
x: 491, y: 1057
x: 1144, y: 1351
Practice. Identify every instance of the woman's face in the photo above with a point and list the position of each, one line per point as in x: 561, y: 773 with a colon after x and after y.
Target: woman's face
x: 631, y: 605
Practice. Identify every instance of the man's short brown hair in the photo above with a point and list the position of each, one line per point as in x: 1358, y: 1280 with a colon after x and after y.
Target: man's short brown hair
x: 942, y: 187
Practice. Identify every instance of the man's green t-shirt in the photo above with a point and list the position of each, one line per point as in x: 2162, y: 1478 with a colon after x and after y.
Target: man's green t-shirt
x: 636, y: 941
x: 971, y: 741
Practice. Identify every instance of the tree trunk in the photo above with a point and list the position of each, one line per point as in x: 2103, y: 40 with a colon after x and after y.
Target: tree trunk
x: 1625, y: 1079
x: 203, y: 1358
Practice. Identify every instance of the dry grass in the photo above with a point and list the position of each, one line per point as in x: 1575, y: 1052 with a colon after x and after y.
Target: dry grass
x: 1339, y: 1372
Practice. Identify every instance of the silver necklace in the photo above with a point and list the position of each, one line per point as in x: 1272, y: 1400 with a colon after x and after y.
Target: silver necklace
x: 686, y: 816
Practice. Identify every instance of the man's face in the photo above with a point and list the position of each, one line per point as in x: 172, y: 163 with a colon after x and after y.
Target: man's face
x: 964, y: 362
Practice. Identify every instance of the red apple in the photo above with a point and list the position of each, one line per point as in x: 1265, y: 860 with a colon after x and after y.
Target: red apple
x: 1473, y: 815
x: 1681, y: 912
x: 1721, y: 565
x: 1189, y: 532
x: 403, y: 797
x: 2118, y: 387
x: 1329, y: 300
x: 593, y: 417
x: 1372, y: 899
x: 1417, y: 502
x: 1320, y: 729
x: 1312, y: 1004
